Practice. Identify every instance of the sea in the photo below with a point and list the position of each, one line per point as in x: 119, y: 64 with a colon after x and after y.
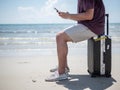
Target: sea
x: 40, y: 39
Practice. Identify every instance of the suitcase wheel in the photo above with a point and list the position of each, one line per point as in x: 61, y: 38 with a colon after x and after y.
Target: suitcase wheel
x: 108, y: 75
x: 93, y: 75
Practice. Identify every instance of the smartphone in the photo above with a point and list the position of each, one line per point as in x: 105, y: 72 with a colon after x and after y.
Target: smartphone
x: 56, y: 10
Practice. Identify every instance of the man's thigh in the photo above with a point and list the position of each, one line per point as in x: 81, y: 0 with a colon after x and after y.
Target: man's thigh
x: 78, y: 33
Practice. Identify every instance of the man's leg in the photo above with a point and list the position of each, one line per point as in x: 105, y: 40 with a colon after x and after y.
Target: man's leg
x: 62, y: 50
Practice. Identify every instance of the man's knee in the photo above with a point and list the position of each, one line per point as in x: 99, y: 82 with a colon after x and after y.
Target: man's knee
x: 59, y: 37
x: 62, y: 36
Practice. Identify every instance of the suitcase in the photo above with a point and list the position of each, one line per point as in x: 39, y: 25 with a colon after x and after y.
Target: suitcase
x: 99, y: 55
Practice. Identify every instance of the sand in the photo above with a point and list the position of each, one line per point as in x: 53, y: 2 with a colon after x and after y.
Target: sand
x: 29, y: 72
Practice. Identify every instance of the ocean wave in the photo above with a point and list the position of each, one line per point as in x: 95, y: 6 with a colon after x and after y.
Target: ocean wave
x: 26, y: 31
x: 36, y: 40
x: 27, y: 43
x: 28, y: 38
x: 115, y: 39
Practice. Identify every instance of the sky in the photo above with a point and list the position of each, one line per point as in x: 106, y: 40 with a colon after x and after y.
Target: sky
x: 42, y: 11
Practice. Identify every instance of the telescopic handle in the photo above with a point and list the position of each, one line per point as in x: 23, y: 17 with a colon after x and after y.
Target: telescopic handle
x: 107, y: 15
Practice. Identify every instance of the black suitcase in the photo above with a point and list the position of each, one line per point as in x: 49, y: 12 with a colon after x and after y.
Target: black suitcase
x: 99, y: 55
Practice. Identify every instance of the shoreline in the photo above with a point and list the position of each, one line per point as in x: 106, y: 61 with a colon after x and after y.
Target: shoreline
x: 74, y: 49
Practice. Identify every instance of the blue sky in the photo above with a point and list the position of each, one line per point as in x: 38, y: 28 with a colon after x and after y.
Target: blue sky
x: 41, y: 11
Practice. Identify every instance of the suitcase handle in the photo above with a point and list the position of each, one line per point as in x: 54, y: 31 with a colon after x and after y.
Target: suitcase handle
x: 101, y: 38
x: 107, y: 27
x: 107, y: 30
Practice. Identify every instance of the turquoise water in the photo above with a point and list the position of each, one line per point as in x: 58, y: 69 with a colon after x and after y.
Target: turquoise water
x: 39, y: 37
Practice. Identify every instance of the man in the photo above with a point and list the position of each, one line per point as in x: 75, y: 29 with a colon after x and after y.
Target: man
x: 91, y: 19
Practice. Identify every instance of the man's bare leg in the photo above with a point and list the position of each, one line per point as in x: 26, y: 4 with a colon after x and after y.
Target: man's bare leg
x: 62, y: 50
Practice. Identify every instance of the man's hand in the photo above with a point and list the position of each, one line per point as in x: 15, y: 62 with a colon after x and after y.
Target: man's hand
x: 64, y: 15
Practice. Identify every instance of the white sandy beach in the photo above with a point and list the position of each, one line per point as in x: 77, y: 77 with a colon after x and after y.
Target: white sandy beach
x: 29, y: 72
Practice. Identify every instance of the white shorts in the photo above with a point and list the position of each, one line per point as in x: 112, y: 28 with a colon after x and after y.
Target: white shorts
x: 79, y: 33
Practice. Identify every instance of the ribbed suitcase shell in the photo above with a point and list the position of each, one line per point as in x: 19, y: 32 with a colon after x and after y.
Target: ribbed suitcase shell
x: 94, y: 57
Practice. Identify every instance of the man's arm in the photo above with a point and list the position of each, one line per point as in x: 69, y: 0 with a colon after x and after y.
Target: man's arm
x: 88, y: 15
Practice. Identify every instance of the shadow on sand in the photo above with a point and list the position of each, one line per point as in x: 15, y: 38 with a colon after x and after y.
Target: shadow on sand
x: 81, y: 82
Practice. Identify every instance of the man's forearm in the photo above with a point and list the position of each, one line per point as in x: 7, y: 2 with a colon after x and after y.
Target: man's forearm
x: 82, y: 16
x: 88, y: 15
x: 79, y: 17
